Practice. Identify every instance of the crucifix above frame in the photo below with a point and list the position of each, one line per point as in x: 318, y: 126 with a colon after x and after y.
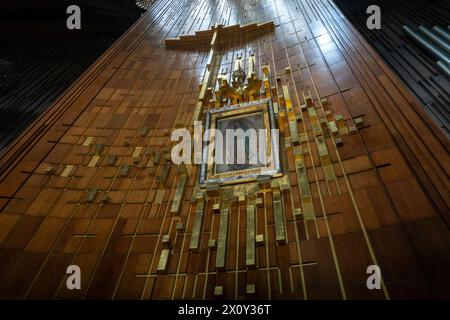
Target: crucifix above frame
x: 237, y: 99
x: 212, y: 39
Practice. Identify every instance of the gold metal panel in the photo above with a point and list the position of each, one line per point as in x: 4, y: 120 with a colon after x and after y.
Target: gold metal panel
x: 164, y: 173
x: 67, y: 172
x: 280, y: 232
x: 333, y: 128
x: 250, y: 252
x: 137, y: 152
x: 99, y: 148
x: 218, y: 290
x: 159, y: 196
x: 91, y: 194
x: 294, y: 131
x: 197, y: 228
x: 322, y: 148
x: 328, y: 171
x: 298, y: 213
x: 308, y: 210
x: 104, y: 198
x: 251, y: 66
x: 182, y: 180
x: 156, y: 157
x: 143, y: 131
x: 165, y: 238
x: 50, y: 170
x: 260, y: 239
x: 212, y: 243
x: 222, y: 239
x: 123, y: 172
x: 164, y: 257
x: 312, y: 114
x: 302, y: 179
x: 292, y: 119
x: 111, y: 159
x: 343, y: 131
x: 216, y: 207
x: 88, y: 141
x: 93, y: 161
x: 180, y: 226
x: 250, y: 289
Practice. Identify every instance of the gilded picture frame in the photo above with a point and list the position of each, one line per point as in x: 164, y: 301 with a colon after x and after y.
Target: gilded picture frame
x: 247, y: 113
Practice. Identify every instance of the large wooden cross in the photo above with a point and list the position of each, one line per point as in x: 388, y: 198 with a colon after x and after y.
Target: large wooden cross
x: 218, y: 34
x: 212, y: 39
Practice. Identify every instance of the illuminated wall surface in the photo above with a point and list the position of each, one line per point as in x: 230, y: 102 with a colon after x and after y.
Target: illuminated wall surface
x: 357, y: 208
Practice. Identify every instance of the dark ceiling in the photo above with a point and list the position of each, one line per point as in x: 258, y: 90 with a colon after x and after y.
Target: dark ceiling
x: 35, y: 20
x: 40, y: 57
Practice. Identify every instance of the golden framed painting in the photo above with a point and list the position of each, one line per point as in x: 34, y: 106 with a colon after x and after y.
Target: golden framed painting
x: 240, y: 144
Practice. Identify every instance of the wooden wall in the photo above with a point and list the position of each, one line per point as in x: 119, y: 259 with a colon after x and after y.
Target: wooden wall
x: 64, y: 201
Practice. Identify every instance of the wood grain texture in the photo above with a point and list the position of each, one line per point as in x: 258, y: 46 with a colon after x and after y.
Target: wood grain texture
x: 382, y: 198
